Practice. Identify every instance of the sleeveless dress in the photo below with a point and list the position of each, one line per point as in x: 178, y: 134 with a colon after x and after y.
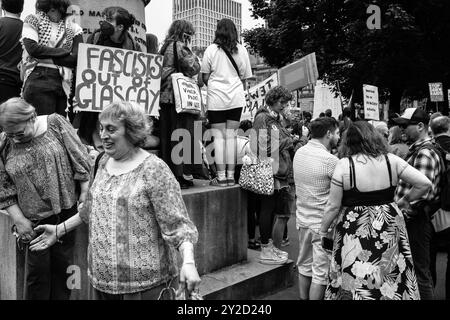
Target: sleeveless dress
x: 371, y: 257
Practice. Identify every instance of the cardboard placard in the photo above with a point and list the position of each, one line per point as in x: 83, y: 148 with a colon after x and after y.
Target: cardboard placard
x: 106, y: 74
x: 371, y: 103
x: 255, y: 97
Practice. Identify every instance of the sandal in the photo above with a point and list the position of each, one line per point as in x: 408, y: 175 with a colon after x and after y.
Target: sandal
x: 218, y: 183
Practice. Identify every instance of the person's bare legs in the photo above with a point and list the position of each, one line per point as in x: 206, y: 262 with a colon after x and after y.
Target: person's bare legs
x: 304, y: 285
x: 230, y: 147
x: 316, y: 291
x: 219, y: 130
x: 278, y: 230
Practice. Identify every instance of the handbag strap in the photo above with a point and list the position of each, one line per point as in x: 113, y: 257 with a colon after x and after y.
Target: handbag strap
x: 175, y: 55
x: 233, y: 62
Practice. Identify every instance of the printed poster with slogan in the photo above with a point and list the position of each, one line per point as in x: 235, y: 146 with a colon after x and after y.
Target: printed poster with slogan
x: 106, y: 74
x: 255, y: 97
x: 371, y: 103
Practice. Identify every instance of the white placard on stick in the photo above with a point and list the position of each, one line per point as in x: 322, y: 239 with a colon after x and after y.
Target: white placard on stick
x: 106, y: 74
x: 371, y: 103
x: 436, y: 92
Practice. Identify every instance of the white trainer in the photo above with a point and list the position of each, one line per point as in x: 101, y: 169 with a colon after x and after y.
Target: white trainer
x: 268, y: 256
x: 279, y: 252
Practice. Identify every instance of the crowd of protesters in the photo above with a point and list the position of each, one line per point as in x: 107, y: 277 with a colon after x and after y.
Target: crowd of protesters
x: 358, y: 238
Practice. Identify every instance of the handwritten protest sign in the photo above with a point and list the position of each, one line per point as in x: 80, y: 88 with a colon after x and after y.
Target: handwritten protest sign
x: 255, y: 97
x: 107, y: 74
x: 371, y: 103
x: 436, y: 92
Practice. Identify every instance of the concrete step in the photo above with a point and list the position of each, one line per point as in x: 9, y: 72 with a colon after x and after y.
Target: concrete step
x: 248, y: 280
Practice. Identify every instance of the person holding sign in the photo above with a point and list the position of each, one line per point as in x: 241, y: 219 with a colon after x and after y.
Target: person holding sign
x: 136, y: 216
x: 51, y: 42
x: 40, y: 166
x: 224, y: 67
x: 182, y: 60
x: 114, y: 33
x: 113, y: 30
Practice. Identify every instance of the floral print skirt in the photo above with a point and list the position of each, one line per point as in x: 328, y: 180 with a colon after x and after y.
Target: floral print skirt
x: 371, y: 257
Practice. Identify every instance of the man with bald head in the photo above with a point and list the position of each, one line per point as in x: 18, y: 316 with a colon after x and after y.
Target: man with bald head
x: 440, y: 127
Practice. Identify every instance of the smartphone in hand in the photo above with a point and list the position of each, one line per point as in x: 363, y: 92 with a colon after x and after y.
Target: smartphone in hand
x: 327, y: 244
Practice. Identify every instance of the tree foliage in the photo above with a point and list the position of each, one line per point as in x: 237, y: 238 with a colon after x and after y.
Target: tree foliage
x: 400, y: 58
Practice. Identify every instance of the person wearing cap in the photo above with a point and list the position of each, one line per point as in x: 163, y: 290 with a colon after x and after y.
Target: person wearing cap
x: 423, y: 156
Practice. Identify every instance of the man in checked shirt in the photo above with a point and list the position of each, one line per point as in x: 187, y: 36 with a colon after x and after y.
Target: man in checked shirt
x: 424, y: 158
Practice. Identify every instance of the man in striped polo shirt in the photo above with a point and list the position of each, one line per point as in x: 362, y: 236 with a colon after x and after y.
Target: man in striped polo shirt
x: 313, y: 170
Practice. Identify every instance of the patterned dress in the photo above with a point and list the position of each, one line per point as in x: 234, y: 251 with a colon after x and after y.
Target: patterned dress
x: 371, y: 257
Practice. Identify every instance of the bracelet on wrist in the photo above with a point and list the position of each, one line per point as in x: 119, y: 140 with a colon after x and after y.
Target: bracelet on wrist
x: 56, y: 231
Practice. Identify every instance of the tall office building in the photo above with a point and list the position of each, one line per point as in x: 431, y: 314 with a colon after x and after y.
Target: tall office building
x: 204, y: 14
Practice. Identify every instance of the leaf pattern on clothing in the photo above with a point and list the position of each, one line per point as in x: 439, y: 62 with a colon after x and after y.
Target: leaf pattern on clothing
x: 371, y: 257
x: 350, y: 250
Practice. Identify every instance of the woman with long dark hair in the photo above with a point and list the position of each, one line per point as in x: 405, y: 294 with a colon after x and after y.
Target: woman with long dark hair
x: 225, y: 66
x: 371, y: 257
x: 178, y: 58
x: 50, y: 40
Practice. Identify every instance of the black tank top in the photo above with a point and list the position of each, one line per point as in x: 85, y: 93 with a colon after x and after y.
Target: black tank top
x: 354, y: 197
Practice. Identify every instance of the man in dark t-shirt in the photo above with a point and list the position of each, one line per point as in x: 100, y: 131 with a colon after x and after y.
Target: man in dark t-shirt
x: 10, y: 49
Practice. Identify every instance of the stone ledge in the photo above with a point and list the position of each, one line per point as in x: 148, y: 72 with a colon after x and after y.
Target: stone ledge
x: 248, y: 280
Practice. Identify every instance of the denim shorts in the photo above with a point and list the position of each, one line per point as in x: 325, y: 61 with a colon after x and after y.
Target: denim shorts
x: 285, y: 202
x: 43, y: 90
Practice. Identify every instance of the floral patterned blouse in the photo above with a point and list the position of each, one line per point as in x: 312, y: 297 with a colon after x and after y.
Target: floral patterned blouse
x: 40, y: 175
x: 136, y: 221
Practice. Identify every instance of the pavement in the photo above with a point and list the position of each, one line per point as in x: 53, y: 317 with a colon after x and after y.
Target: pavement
x: 292, y: 292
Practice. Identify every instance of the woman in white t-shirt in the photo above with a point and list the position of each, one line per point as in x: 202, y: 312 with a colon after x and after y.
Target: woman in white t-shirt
x: 225, y: 66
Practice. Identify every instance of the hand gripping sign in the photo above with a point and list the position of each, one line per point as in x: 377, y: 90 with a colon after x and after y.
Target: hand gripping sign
x: 106, y: 74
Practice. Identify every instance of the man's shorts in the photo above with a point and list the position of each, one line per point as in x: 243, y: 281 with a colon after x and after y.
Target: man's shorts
x: 215, y: 117
x: 313, y: 261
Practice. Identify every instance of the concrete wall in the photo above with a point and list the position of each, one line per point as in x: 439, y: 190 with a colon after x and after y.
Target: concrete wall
x: 11, y: 263
x: 220, y: 215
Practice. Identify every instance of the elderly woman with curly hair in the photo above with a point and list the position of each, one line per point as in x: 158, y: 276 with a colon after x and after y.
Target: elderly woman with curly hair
x: 50, y: 40
x: 371, y: 255
x: 136, y: 216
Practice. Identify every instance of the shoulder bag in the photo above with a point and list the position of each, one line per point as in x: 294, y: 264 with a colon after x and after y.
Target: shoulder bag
x: 188, y: 97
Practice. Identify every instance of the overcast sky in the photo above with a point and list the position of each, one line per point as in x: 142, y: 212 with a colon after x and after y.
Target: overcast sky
x: 158, y: 15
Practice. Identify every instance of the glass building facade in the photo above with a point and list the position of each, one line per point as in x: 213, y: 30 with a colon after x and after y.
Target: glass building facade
x: 204, y: 14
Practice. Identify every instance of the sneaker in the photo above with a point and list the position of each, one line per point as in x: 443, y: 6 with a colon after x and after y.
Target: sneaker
x: 285, y: 242
x: 231, y: 182
x: 268, y: 256
x: 218, y: 183
x: 279, y: 252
